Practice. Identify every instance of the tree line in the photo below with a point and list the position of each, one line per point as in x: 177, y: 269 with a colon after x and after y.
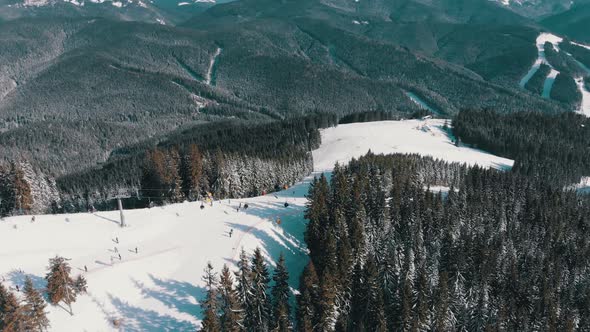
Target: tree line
x: 551, y: 147
x: 247, y: 303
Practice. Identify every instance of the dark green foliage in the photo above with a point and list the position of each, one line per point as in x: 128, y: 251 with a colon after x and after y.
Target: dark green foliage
x: 229, y: 305
x: 258, y: 308
x: 553, y: 148
x: 561, y: 61
x: 485, y: 258
x: 566, y: 91
x: 536, y: 83
x: 162, y: 171
x: 580, y: 53
x: 308, y: 310
x: 210, y: 305
x: 574, y: 22
x: 367, y: 117
x: 281, y: 310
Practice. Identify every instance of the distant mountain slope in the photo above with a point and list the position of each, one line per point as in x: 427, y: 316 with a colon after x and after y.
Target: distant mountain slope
x: 74, y: 89
x: 169, y: 12
x: 540, y: 8
x: 574, y: 23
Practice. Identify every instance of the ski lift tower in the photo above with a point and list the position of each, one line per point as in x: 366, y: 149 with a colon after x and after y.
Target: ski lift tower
x: 120, y: 205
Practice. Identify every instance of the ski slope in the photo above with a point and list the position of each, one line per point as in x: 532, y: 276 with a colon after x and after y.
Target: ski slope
x: 158, y: 288
x: 550, y: 79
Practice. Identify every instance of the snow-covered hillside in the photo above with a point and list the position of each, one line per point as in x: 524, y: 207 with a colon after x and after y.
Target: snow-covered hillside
x: 158, y: 288
x: 541, y: 59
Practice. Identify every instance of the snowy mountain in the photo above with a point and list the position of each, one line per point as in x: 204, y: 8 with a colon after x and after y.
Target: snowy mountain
x: 152, y: 11
x: 540, y: 8
x: 156, y: 284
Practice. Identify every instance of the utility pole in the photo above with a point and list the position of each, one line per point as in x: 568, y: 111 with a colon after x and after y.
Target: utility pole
x: 120, y: 204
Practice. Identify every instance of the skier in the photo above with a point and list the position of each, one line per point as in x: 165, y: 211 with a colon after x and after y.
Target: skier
x: 119, y: 256
x: 231, y: 232
x: 85, y: 268
x: 116, y: 250
x: 286, y: 204
x: 33, y: 219
x: 136, y: 250
x: 17, y: 288
x: 202, y: 206
x: 245, y: 206
x: 117, y: 240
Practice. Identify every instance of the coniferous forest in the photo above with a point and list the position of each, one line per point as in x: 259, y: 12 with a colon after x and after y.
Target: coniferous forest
x: 498, y: 251
x: 549, y: 147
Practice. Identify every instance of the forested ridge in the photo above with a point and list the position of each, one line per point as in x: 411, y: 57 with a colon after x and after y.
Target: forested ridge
x: 552, y: 148
x: 224, y: 159
x: 500, y: 252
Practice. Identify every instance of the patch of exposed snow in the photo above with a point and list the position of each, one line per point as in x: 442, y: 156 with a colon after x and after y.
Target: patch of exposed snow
x: 160, y: 21
x: 35, y: 3
x: 585, y: 106
x: 426, y: 137
x: 117, y: 4
x: 211, y: 65
x: 548, y: 85
x: 183, y: 3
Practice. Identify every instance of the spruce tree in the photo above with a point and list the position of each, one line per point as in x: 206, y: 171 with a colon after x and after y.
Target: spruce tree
x: 280, y: 296
x: 35, y: 308
x: 244, y: 285
x: 230, y: 307
x: 258, y: 307
x: 60, y: 286
x: 308, y: 300
x: 210, y: 305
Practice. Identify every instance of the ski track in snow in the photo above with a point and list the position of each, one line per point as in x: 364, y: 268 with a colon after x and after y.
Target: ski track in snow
x: 159, y: 288
x: 212, y: 62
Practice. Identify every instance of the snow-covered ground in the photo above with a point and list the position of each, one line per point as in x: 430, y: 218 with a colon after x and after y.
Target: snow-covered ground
x: 158, y: 288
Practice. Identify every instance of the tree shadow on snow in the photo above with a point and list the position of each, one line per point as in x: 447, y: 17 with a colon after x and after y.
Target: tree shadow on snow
x: 292, y: 248
x: 138, y: 319
x: 18, y: 278
x: 179, y: 295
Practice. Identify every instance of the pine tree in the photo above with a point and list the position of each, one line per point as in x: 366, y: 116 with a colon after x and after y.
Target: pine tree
x: 280, y: 295
x: 60, y: 286
x: 35, y: 308
x: 210, y: 305
x: 230, y: 307
x: 258, y: 306
x: 308, y: 300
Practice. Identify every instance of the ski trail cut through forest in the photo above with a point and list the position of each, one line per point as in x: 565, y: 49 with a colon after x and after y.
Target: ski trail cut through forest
x: 210, y: 78
x: 421, y: 103
x: 193, y: 74
x: 542, y: 59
